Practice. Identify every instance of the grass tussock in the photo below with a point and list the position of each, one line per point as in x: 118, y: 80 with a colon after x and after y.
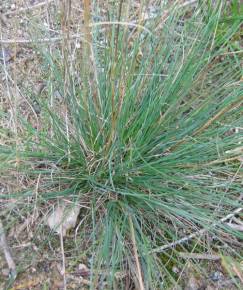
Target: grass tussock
x: 143, y: 134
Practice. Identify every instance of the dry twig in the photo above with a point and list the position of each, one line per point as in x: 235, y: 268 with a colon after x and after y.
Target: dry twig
x: 198, y: 256
x: 27, y: 9
x: 196, y: 234
x: 6, y: 251
x: 39, y: 40
x: 63, y: 262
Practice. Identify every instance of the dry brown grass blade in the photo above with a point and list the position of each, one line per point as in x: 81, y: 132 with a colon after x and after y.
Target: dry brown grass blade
x: 87, y: 21
x: 210, y: 121
x: 66, y: 14
x: 6, y: 251
x: 89, y: 67
x: 63, y: 262
x: 219, y: 114
x: 112, y: 76
x: 217, y: 161
x: 139, y: 272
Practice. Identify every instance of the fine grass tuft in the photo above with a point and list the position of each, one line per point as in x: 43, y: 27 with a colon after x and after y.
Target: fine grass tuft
x: 147, y: 110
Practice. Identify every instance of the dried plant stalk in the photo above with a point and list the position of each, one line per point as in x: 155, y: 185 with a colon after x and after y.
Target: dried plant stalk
x: 89, y: 68
x: 6, y: 251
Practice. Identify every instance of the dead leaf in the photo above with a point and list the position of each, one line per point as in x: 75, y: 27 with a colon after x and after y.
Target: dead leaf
x: 63, y: 217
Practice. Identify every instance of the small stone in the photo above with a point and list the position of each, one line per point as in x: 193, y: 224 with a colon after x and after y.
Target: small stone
x: 57, y: 95
x: 82, y: 267
x: 175, y: 269
x: 5, y: 272
x: 216, y: 276
x: 13, y: 6
x: 33, y: 270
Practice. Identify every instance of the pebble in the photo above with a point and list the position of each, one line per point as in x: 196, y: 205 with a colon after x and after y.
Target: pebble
x: 33, y: 269
x: 216, y: 276
x: 175, y: 269
x: 82, y: 267
x: 5, y: 272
